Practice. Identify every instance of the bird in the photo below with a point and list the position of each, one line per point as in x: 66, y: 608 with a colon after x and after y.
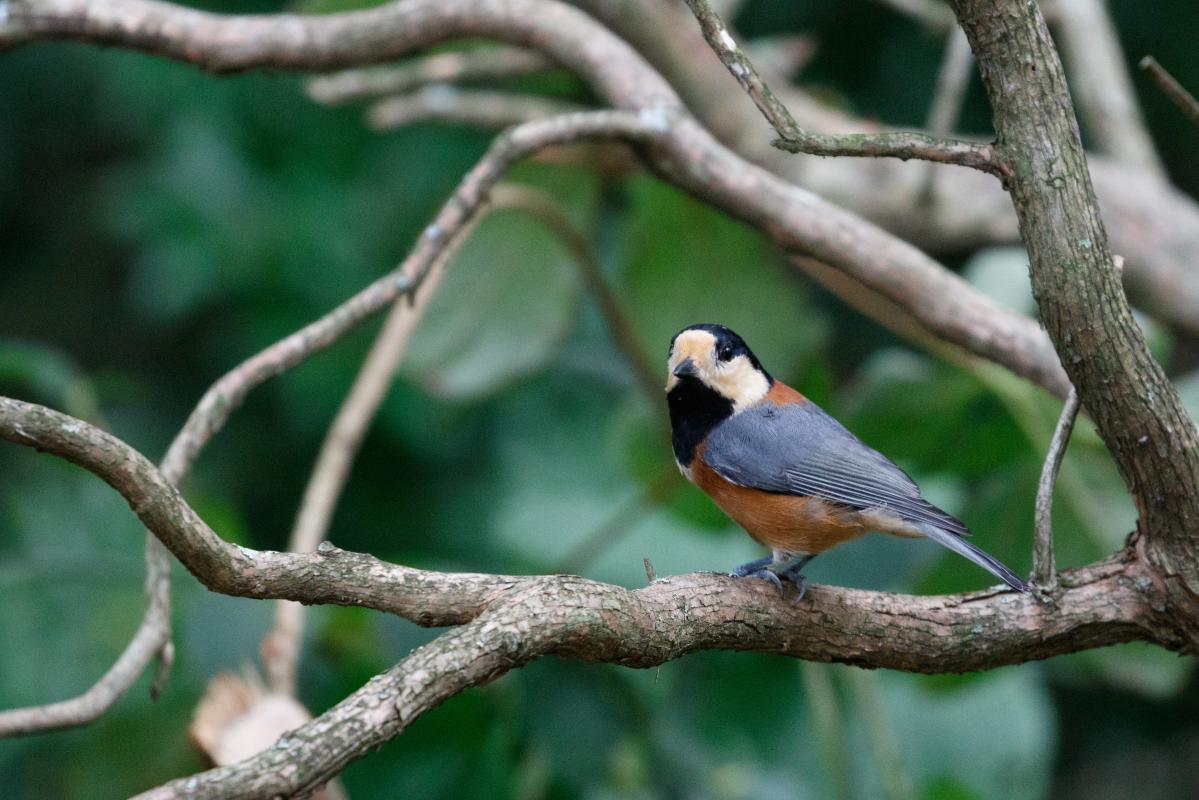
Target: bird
x: 783, y: 469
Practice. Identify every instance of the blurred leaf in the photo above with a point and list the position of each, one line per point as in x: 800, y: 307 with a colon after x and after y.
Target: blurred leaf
x: 503, y: 307
x: 1138, y: 667
x: 687, y: 263
x: 991, y: 738
x: 51, y: 374
x: 1002, y: 273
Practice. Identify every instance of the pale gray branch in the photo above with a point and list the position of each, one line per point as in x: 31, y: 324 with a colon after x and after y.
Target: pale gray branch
x: 796, y: 220
x: 1102, y: 86
x: 460, y: 66
x: 479, y: 107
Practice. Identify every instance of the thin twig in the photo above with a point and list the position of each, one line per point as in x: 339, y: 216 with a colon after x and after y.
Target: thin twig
x: 1174, y: 90
x: 460, y: 66
x: 443, y: 102
x: 891, y: 144
x: 1044, y: 575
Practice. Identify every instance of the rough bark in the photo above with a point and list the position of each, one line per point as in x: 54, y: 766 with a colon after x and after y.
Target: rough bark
x: 1077, y: 286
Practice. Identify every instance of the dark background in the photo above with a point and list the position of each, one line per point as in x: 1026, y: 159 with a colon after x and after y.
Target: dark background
x: 158, y: 225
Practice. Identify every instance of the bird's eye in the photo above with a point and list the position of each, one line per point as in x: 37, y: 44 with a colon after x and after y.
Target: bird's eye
x: 724, y: 352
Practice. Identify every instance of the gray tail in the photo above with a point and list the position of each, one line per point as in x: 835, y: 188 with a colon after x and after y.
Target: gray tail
x: 963, y: 548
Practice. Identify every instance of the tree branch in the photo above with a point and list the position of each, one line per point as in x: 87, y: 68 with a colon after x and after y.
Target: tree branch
x: 484, y: 109
x: 796, y: 220
x: 898, y: 144
x: 1102, y: 87
x: 461, y: 66
x: 227, y: 394
x: 1077, y: 286
x: 1108, y: 602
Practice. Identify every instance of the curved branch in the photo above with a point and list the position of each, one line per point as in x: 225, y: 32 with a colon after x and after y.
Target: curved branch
x: 1100, y: 604
x: 595, y: 622
x: 796, y: 220
x: 1152, y: 224
x: 227, y: 393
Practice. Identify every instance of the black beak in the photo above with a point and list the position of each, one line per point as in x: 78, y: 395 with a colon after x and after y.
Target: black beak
x: 686, y: 368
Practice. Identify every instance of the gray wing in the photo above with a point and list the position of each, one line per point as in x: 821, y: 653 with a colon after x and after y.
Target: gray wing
x: 799, y: 449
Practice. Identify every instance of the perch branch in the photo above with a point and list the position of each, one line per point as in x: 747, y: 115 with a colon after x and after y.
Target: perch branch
x: 1105, y: 603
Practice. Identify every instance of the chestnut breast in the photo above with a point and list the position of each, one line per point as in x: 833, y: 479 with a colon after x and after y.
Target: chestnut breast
x: 779, y: 521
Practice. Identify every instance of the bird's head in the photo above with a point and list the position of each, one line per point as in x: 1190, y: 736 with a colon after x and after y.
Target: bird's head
x: 718, y: 359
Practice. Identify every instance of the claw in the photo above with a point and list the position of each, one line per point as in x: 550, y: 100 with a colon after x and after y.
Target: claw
x: 752, y: 568
x: 794, y: 573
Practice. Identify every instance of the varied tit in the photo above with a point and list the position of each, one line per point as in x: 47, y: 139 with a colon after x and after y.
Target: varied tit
x: 783, y: 469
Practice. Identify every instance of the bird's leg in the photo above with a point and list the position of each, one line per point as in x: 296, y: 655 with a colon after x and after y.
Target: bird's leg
x: 792, y: 572
x: 758, y: 569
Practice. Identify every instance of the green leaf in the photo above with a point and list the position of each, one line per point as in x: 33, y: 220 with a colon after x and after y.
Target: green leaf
x: 687, y: 263
x: 1008, y: 754
x: 503, y: 307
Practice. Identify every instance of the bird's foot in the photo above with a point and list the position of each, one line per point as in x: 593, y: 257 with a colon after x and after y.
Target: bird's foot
x: 791, y: 572
x: 758, y: 569
x: 794, y: 573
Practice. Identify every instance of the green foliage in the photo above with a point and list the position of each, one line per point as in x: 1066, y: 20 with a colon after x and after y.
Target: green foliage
x: 159, y: 225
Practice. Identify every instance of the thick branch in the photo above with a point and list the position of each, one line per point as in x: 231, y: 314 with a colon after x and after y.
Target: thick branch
x: 1099, y: 605
x: 795, y: 219
x: 1138, y: 413
x: 581, y: 619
